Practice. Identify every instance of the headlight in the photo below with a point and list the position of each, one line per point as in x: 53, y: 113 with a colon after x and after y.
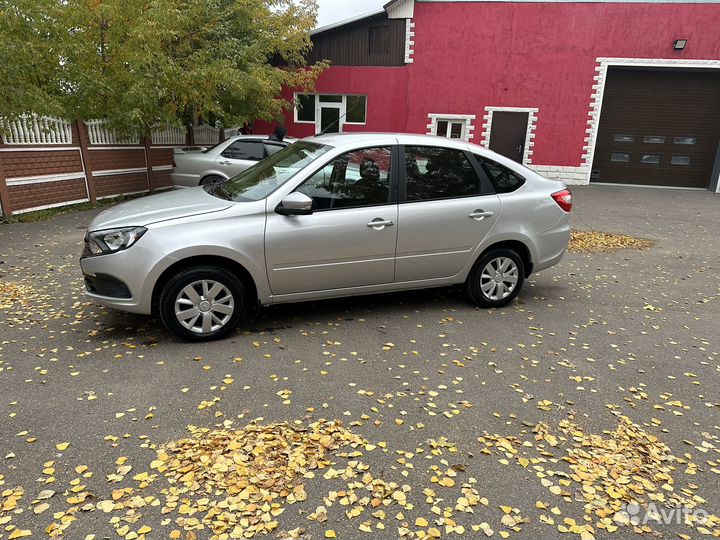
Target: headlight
x: 111, y: 240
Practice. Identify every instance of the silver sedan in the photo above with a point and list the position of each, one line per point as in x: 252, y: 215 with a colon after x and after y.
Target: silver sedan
x: 200, y: 166
x: 329, y: 216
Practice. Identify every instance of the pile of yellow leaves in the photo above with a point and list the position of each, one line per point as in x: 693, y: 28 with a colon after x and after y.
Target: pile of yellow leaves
x: 237, y: 481
x: 13, y: 294
x: 600, y: 242
x: 607, y: 473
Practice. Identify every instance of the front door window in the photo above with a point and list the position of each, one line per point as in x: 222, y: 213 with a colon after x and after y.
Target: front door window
x: 357, y: 178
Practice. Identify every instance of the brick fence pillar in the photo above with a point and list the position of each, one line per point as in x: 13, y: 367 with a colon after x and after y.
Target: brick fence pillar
x: 4, y: 193
x: 147, y: 141
x: 84, y: 142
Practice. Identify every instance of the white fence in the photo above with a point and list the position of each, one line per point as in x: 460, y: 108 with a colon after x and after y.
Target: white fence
x: 205, y: 134
x: 231, y: 132
x: 169, y: 135
x: 100, y: 133
x: 31, y: 129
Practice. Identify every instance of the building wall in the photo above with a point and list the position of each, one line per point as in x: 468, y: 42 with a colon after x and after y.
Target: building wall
x: 469, y: 56
x: 541, y: 56
x: 386, y: 88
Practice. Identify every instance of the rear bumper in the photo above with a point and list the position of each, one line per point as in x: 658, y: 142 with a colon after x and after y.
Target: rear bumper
x: 184, y: 180
x: 552, y: 245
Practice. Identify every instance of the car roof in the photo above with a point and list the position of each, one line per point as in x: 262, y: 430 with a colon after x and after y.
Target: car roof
x: 340, y: 140
x: 265, y: 138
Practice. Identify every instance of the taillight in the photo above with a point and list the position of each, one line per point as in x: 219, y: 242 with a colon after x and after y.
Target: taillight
x: 564, y: 199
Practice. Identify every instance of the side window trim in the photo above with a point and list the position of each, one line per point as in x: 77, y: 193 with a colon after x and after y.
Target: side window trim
x: 486, y: 186
x: 402, y: 175
x: 394, y: 164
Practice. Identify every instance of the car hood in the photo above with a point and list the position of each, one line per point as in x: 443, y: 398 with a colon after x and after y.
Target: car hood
x: 160, y: 207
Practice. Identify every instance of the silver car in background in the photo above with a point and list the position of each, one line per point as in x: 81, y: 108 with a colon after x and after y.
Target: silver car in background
x: 329, y: 216
x: 199, y: 166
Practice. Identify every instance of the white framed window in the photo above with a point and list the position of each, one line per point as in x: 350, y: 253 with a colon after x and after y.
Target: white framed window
x: 304, y: 108
x: 353, y: 107
x: 451, y: 129
x: 453, y: 126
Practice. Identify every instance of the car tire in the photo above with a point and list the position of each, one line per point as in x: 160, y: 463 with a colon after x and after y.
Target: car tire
x: 211, y: 179
x: 496, y: 278
x: 202, y: 303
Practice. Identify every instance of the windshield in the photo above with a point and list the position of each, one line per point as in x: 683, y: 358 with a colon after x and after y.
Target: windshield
x: 267, y: 175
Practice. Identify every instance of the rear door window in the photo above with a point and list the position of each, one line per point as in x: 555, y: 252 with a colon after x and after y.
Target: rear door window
x: 439, y: 173
x: 247, y: 150
x: 273, y: 148
x: 503, y: 179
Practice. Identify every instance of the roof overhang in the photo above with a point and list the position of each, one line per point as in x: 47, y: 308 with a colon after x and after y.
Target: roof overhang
x: 347, y: 21
x: 405, y: 9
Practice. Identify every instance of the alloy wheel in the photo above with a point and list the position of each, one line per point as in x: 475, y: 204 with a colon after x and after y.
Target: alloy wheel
x: 499, y: 278
x: 204, y: 306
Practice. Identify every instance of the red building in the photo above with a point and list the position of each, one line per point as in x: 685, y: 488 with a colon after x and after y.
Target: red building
x: 618, y: 92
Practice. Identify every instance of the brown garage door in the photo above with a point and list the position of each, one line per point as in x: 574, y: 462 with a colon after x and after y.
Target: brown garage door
x: 658, y: 128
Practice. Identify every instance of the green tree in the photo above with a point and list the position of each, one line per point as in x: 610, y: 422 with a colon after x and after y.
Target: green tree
x: 141, y: 63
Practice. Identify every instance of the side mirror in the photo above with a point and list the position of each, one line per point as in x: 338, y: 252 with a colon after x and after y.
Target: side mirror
x: 295, y: 204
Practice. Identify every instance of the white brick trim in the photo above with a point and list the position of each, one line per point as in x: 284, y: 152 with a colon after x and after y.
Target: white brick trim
x: 598, y: 90
x: 114, y: 172
x: 39, y: 149
x: 123, y: 194
x: 467, y: 118
x: 127, y: 147
x: 569, y: 175
x: 46, y: 206
x: 529, y: 133
x: 43, y: 178
x: 409, y: 41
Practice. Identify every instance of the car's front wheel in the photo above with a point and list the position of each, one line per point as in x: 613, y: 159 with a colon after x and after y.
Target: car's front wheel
x: 211, y: 180
x: 496, y: 278
x: 202, y: 303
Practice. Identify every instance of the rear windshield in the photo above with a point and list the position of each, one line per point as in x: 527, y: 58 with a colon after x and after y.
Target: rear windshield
x: 267, y: 175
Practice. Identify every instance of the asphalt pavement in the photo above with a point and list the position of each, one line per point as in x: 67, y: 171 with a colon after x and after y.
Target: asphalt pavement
x: 436, y: 388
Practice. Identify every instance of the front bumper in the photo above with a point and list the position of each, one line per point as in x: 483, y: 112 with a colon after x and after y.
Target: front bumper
x: 124, y: 280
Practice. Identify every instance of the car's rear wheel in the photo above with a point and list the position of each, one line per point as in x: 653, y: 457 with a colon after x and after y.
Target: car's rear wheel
x: 496, y: 278
x: 202, y: 303
x: 212, y: 179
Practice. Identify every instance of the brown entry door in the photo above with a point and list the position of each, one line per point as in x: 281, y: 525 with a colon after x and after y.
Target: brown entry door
x: 507, y: 134
x: 658, y: 128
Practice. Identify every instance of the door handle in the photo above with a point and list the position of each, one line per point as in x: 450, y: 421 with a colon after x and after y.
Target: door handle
x: 379, y: 223
x: 479, y: 215
x: 224, y: 162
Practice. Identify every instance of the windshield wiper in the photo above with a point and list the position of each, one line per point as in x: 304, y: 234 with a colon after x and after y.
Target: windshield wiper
x: 219, y: 187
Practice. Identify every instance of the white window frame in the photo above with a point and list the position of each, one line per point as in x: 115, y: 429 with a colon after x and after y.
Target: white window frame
x: 295, y: 108
x: 466, y: 119
x: 342, y: 105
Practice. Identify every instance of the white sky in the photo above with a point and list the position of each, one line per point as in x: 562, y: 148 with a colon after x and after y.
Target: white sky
x: 332, y: 11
